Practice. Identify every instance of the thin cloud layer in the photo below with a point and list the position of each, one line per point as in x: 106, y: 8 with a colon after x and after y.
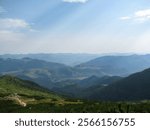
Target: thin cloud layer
x: 74, y: 26
x: 10, y: 24
x: 75, y: 1
x: 13, y: 31
x: 141, y: 15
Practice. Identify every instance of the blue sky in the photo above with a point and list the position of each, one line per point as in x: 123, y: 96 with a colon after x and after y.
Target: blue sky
x: 74, y: 26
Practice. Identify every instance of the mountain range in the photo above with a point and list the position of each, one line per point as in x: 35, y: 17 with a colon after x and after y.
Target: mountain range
x: 103, y: 78
x: 132, y: 88
x: 68, y: 59
x: 117, y: 65
x: 39, y: 71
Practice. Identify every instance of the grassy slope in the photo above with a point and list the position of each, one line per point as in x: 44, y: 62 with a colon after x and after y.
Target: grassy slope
x: 24, y: 96
x: 18, y: 95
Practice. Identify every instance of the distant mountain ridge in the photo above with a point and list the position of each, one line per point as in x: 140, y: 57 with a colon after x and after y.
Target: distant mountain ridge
x: 43, y: 72
x: 26, y: 63
x: 80, y: 81
x: 39, y: 71
x: 118, y: 65
x: 53, y: 79
x: 62, y: 58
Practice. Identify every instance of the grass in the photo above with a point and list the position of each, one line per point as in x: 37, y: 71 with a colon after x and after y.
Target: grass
x: 19, y: 96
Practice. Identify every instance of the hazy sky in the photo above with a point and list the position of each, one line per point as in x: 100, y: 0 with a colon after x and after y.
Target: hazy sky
x: 76, y: 26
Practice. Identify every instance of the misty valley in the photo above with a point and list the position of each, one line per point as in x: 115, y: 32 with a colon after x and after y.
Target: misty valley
x: 74, y: 83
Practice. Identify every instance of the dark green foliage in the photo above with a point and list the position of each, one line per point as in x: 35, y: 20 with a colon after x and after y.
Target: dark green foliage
x: 8, y: 106
x: 86, y: 107
x: 83, y: 88
x: 135, y: 87
x: 38, y: 100
x: 93, y: 81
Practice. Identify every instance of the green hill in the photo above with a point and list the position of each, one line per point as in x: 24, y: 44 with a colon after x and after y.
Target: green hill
x: 134, y: 87
x: 19, y: 95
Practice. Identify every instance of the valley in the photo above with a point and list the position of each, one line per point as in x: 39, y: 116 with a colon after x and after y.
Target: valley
x: 104, y: 84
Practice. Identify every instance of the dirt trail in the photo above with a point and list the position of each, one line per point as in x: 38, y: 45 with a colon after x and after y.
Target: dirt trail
x: 16, y: 98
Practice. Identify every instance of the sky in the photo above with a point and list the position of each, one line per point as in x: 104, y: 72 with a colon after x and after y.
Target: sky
x: 74, y: 26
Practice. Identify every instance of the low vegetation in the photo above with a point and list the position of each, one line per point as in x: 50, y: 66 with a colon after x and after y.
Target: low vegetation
x: 22, y: 96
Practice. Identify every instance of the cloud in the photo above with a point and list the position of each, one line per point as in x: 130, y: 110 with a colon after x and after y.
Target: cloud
x: 75, y: 1
x: 140, y: 15
x: 125, y: 18
x: 13, y: 32
x: 13, y: 24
